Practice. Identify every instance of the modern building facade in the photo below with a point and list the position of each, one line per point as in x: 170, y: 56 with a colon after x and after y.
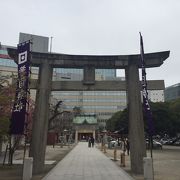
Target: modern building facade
x: 156, y: 95
x: 101, y: 103
x: 172, y: 92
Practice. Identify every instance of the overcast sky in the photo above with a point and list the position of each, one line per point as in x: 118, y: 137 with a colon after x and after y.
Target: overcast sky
x: 107, y: 27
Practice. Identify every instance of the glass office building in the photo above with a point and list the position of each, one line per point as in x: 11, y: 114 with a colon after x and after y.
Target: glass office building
x: 101, y: 103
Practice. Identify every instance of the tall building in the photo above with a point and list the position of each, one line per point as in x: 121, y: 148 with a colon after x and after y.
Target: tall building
x: 156, y: 95
x: 172, y: 92
x: 101, y: 103
x: 40, y: 43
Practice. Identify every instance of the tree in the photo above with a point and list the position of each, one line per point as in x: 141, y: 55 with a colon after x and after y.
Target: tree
x: 54, y: 112
x: 118, y: 122
x: 166, y: 118
x: 112, y: 122
x: 7, y: 92
x: 58, y: 116
x: 162, y: 118
x: 60, y: 119
x: 174, y: 107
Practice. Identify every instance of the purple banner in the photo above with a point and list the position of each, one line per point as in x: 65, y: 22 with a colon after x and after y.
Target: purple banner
x: 19, y: 109
x: 145, y: 92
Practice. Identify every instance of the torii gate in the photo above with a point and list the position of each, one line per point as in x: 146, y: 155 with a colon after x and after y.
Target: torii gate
x: 131, y: 63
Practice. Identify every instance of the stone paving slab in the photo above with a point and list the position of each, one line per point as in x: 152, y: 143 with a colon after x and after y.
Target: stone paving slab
x: 84, y: 163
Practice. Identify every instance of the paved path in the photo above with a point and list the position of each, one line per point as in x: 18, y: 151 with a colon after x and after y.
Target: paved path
x: 84, y: 163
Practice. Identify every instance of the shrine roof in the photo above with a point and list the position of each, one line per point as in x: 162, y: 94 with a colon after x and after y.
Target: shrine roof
x: 85, y: 120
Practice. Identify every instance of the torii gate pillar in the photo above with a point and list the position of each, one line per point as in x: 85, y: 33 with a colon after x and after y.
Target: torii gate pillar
x: 40, y: 123
x: 136, y: 124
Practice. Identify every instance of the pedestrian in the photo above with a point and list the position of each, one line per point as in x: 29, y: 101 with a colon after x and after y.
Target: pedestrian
x: 89, y: 142
x: 92, y: 141
x: 127, y: 146
x: 124, y: 146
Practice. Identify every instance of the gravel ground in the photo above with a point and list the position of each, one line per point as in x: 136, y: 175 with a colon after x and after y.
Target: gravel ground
x: 14, y: 172
x: 166, y: 163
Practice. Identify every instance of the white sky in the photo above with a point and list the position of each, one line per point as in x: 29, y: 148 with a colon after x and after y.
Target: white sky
x: 99, y: 27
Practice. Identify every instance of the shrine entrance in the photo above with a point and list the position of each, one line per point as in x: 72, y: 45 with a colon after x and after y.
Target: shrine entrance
x: 131, y: 63
x: 85, y: 126
x: 84, y: 136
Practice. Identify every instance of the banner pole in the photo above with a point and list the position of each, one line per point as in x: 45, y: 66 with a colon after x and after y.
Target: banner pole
x: 146, y: 104
x: 27, y: 107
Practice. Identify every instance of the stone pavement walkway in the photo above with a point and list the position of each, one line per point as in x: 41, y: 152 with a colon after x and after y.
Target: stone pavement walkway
x: 84, y: 163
